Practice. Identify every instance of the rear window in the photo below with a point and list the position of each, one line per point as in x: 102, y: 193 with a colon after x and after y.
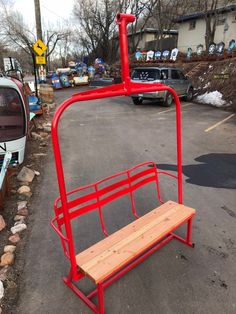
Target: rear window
x: 146, y: 75
x: 12, y: 119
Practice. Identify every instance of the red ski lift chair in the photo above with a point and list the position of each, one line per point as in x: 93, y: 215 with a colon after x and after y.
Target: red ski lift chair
x: 110, y: 258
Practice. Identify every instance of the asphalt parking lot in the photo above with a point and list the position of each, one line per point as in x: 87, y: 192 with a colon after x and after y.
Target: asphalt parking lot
x: 103, y: 137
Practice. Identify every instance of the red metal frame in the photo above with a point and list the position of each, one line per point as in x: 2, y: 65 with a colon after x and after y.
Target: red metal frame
x: 126, y: 182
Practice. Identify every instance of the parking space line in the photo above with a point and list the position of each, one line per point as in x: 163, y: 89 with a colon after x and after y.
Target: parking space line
x: 173, y: 109
x: 219, y: 123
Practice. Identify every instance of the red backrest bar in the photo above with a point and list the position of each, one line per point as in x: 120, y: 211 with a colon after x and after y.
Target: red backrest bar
x: 115, y: 190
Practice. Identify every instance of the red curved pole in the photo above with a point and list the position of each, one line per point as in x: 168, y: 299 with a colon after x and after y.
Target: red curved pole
x: 126, y: 88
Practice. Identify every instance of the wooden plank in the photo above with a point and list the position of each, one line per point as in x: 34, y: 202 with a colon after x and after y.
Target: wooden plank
x: 106, y: 256
x: 130, y: 237
x: 124, y: 253
x: 104, y: 244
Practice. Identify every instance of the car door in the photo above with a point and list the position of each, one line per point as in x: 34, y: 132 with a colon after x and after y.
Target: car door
x: 184, y: 82
x: 175, y: 81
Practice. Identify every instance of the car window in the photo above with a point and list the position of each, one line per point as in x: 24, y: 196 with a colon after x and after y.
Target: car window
x: 181, y: 75
x: 164, y: 74
x: 146, y: 74
x: 175, y: 74
x: 12, y: 119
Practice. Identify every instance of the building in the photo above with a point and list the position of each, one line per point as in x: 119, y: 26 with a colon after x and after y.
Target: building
x: 192, y: 28
x: 149, y: 38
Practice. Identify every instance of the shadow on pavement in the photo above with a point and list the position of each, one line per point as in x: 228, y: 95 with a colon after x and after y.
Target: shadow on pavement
x: 215, y: 170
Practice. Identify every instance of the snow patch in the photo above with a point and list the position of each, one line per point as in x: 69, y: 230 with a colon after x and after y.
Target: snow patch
x: 213, y: 98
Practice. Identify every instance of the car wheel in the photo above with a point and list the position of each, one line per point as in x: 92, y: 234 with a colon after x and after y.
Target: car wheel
x: 137, y: 100
x: 189, y: 96
x: 168, y: 102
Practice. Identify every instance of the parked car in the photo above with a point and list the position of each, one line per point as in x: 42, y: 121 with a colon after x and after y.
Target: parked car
x: 172, y: 77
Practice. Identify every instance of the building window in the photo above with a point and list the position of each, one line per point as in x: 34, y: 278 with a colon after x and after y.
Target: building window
x: 192, y: 25
x: 220, y: 20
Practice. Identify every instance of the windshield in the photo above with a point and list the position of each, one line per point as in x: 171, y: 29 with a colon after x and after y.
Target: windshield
x: 146, y: 74
x: 12, y: 119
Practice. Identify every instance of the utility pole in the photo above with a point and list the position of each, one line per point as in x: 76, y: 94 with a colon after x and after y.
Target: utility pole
x: 39, y: 36
x: 38, y: 19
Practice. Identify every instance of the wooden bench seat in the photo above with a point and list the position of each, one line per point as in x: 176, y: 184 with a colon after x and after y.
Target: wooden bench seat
x: 110, y: 254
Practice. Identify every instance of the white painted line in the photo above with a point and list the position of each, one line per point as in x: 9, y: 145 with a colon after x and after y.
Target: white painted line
x: 219, y: 123
x: 173, y: 109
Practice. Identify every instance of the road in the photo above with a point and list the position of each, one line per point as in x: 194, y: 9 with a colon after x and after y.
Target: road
x: 102, y: 137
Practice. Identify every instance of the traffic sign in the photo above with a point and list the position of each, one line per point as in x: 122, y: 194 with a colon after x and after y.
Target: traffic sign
x: 40, y: 60
x: 39, y: 47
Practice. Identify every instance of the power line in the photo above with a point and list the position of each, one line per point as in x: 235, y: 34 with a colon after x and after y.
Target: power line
x: 53, y: 12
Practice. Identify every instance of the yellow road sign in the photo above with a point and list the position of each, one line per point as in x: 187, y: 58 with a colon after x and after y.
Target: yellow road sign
x: 39, y: 47
x: 40, y: 60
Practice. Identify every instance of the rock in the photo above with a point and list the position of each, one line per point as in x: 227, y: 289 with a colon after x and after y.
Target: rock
x: 14, y: 238
x: 3, y: 273
x: 2, y: 223
x: 43, y: 135
x: 47, y: 128
x: 18, y: 228
x: 40, y: 154
x: 13, y: 191
x: 1, y: 290
x: 7, y: 259
x: 37, y: 173
x: 19, y: 222
x: 9, y: 248
x: 26, y: 175
x: 19, y: 218
x: 23, y: 212
x: 36, y: 136
x: 23, y: 189
x: 21, y: 204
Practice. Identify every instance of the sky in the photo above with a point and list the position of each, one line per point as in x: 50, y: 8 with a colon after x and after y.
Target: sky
x: 51, y: 10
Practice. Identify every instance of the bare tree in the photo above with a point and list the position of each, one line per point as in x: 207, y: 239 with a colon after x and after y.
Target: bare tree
x: 143, y: 12
x: 97, y: 23
x: 16, y: 31
x: 165, y: 12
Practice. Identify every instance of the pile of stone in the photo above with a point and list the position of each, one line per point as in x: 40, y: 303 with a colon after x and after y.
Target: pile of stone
x: 25, y: 177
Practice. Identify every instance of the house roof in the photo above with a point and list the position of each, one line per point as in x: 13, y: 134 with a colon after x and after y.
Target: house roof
x: 156, y: 31
x: 199, y: 15
x: 151, y: 30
